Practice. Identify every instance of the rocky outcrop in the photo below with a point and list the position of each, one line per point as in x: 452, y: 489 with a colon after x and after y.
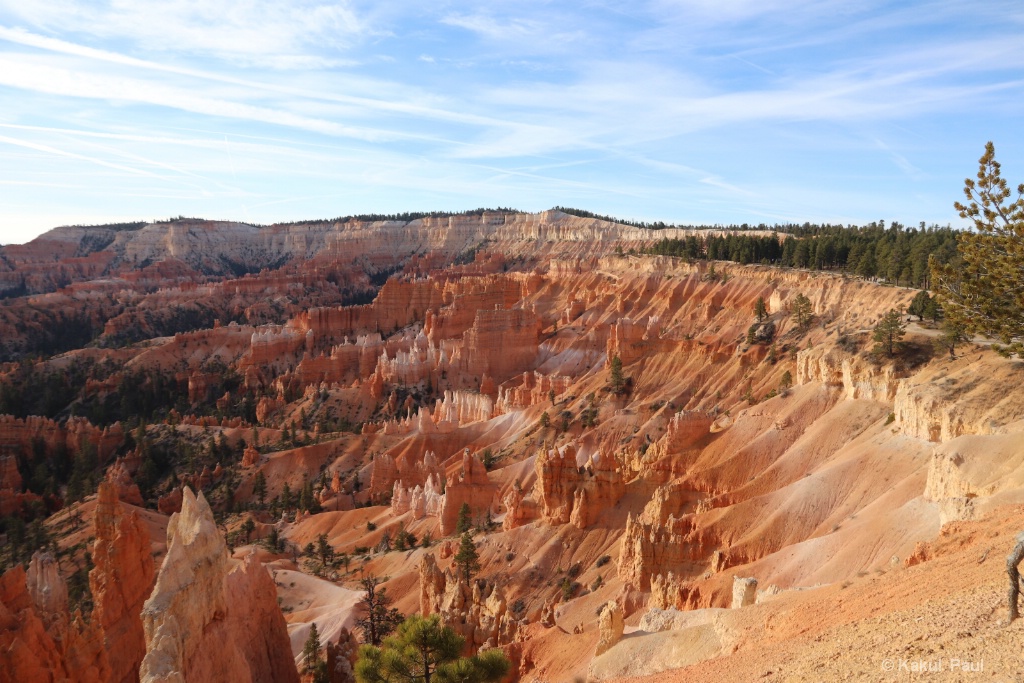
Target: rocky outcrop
x: 469, y: 487
x: 571, y: 494
x: 422, y: 501
x: 648, y: 550
x: 407, y: 470
x: 952, y: 401
x: 531, y: 389
x: 601, y: 488
x: 341, y: 655
x: 669, y: 591
x: 477, y: 610
x: 250, y: 456
x: 628, y: 340
x: 668, y: 500
x: 558, y: 476
x: 611, y: 625
x: 946, y: 478
x: 687, y: 432
x: 47, y: 588
x: 463, y: 407
x: 199, y: 620
x: 120, y: 581
x: 858, y: 378
x: 38, y: 643
x: 121, y: 480
x: 256, y: 625
x: 500, y: 344
x: 519, y: 509
x: 21, y: 435
x: 111, y: 646
x: 170, y: 503
x: 10, y: 477
x: 744, y: 591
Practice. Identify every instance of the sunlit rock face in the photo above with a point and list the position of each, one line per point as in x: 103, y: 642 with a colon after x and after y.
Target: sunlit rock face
x: 204, y: 621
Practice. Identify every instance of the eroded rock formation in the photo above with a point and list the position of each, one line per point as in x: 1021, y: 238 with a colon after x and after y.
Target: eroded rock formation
x: 477, y: 610
x: 611, y: 625
x: 470, y: 486
x: 204, y: 622
x: 39, y: 640
x: 120, y: 581
x: 569, y: 493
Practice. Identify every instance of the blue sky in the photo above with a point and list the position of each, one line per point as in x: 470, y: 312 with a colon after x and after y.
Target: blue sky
x: 691, y: 111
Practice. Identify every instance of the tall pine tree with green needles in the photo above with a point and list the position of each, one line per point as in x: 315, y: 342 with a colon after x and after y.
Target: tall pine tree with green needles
x: 467, y: 559
x: 324, y: 550
x: 802, y: 311
x: 616, y: 379
x: 889, y: 332
x: 985, y: 292
x: 259, y: 488
x: 464, y: 522
x: 286, y: 497
x: 760, y: 309
x: 311, y: 650
x: 920, y: 305
x: 424, y: 650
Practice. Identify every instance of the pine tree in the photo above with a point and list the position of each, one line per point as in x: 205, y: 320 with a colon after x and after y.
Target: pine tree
x: 467, y: 559
x: 617, y: 381
x: 889, y: 331
x: 984, y: 293
x: 324, y: 550
x: 802, y: 311
x: 760, y: 309
x: 377, y: 618
x: 545, y: 420
x: 259, y: 488
x: 919, y: 306
x: 464, y: 521
x: 311, y: 650
x: 426, y: 650
x: 248, y: 526
x: 952, y: 335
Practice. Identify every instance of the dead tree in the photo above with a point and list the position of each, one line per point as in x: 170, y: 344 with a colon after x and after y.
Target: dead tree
x: 1012, y: 562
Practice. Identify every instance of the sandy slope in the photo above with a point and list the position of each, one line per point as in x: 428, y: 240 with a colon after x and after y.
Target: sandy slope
x: 947, y: 613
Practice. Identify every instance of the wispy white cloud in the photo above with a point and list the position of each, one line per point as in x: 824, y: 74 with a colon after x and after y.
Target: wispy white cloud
x: 18, y: 73
x: 394, y: 105
x: 274, y: 34
x: 493, y: 28
x: 71, y: 155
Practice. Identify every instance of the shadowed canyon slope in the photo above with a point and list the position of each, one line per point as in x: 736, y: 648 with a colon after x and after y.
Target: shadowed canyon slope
x: 366, y: 384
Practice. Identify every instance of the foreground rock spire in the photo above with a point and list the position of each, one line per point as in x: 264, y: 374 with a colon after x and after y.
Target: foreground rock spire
x: 204, y: 622
x: 120, y: 581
